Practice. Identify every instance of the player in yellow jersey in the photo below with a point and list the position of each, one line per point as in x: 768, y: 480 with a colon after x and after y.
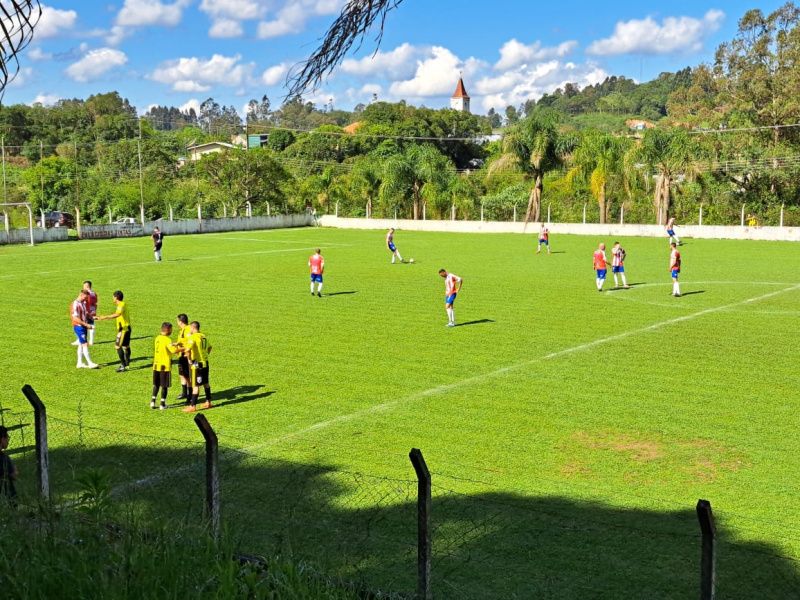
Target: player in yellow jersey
x: 162, y: 364
x: 184, y: 370
x: 123, y: 341
x: 198, y: 349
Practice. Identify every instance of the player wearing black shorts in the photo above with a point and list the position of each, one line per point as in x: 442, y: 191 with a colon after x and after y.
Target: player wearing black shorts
x: 184, y: 370
x: 199, y: 349
x: 162, y: 364
x: 123, y: 340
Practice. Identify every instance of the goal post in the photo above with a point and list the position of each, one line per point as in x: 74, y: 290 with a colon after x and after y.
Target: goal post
x: 26, y: 205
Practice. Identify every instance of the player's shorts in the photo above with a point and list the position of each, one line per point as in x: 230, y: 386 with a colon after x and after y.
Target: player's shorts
x: 675, y: 273
x: 392, y: 247
x: 601, y: 273
x: 183, y: 367
x: 124, y: 337
x: 619, y: 269
x: 80, y: 333
x: 162, y: 378
x: 545, y: 242
x: 450, y: 299
x: 316, y: 277
x: 199, y: 375
x: 671, y: 232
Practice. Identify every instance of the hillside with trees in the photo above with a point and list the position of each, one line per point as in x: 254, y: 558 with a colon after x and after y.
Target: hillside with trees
x: 721, y: 135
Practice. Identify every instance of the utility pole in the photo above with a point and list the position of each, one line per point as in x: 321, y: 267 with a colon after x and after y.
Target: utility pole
x: 77, y: 179
x: 5, y: 189
x: 141, y: 181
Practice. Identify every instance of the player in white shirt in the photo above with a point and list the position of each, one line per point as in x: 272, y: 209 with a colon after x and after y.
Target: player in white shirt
x: 671, y: 231
x: 392, y: 248
x: 618, y: 264
x: 452, y: 285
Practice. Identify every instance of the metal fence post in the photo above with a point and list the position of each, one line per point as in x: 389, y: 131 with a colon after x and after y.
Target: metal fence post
x: 622, y: 214
x: 708, y: 575
x: 78, y: 221
x: 423, y: 524
x: 742, y: 215
x: 212, y: 473
x: 700, y: 222
x: 548, y: 215
x: 781, y: 223
x: 584, y: 213
x: 42, y: 457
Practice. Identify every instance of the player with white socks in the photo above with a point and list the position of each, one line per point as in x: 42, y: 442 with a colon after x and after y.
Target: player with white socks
x: 452, y: 285
x: 91, y: 308
x: 80, y: 326
x: 390, y: 244
x: 599, y: 264
x: 317, y: 265
x: 675, y: 269
x: 618, y: 265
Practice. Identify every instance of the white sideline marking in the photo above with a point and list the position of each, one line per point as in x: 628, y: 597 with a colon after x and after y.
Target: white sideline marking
x: 503, y: 370
x: 182, y: 259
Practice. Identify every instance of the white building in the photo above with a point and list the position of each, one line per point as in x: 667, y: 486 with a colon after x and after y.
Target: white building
x: 460, y: 99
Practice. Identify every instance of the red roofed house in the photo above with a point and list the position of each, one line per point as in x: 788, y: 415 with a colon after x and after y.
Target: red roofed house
x: 460, y: 99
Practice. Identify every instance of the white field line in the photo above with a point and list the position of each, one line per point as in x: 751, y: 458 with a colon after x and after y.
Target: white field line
x: 190, y: 258
x: 440, y: 389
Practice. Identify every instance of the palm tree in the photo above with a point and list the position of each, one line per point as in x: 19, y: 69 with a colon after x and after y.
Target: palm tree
x: 599, y: 159
x: 366, y: 181
x: 533, y: 147
x: 670, y: 153
x: 419, y: 172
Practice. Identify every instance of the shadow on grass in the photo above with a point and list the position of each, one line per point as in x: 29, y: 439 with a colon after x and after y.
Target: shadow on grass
x: 693, y: 292
x: 341, y: 293
x: 476, y: 322
x: 360, y: 528
x: 239, y: 395
x: 141, y: 337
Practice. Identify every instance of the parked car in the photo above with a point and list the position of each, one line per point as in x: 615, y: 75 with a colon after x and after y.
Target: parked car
x: 125, y: 221
x: 56, y: 218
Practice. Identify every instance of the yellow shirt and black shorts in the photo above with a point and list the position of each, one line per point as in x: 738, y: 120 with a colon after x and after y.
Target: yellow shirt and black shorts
x: 123, y: 325
x: 183, y: 360
x: 162, y: 361
x: 198, y: 359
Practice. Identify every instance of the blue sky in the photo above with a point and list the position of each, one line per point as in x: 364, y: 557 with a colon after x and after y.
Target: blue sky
x: 180, y: 52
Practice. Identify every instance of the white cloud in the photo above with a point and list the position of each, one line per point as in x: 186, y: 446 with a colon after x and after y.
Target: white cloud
x: 39, y: 54
x: 116, y: 35
x: 436, y: 75
x: 136, y: 13
x: 95, y: 64
x: 46, y: 99
x: 239, y: 10
x: 194, y: 103
x: 22, y: 77
x: 199, y: 75
x: 646, y: 36
x: 399, y: 63
x: 514, y: 87
x: 54, y: 22
x: 292, y: 17
x: 226, y: 28
x: 275, y: 74
x: 515, y: 53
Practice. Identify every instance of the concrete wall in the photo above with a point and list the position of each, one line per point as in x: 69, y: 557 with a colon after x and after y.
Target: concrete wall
x: 23, y: 236
x: 190, y: 226
x: 791, y: 234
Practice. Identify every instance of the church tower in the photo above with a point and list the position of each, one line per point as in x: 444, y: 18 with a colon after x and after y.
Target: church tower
x: 460, y: 99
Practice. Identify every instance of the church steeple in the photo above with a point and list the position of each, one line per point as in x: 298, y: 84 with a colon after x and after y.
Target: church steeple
x: 460, y: 98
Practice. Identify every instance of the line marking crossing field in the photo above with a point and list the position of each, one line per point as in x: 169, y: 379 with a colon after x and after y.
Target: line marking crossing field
x: 377, y: 408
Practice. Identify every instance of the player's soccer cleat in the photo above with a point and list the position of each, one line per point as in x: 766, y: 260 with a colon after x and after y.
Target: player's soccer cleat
x: 152, y: 403
x: 207, y: 404
x: 92, y: 366
x: 182, y: 397
x: 189, y: 409
x: 79, y: 366
x: 451, y: 324
x: 319, y: 294
x: 627, y: 287
x: 121, y: 369
x: 163, y: 405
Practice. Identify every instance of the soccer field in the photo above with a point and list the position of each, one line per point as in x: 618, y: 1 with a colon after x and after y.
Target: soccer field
x: 569, y: 432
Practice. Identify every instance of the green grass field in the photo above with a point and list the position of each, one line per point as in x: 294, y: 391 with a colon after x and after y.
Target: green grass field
x: 569, y: 433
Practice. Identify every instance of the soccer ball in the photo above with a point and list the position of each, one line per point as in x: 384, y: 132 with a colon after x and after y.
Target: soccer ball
x: 411, y: 260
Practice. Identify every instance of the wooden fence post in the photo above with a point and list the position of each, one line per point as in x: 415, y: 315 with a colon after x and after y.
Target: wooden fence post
x: 212, y: 474
x: 423, y: 524
x: 708, y: 574
x: 42, y: 456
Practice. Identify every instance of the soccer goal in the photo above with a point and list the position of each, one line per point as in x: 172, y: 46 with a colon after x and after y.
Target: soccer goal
x: 26, y: 205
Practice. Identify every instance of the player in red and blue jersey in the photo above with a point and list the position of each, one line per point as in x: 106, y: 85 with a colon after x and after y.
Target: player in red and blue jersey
x: 675, y: 269
x: 91, y: 308
x: 317, y: 265
x: 80, y: 326
x: 392, y: 248
x: 452, y: 285
x: 618, y: 265
x: 599, y: 264
x: 544, y: 238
